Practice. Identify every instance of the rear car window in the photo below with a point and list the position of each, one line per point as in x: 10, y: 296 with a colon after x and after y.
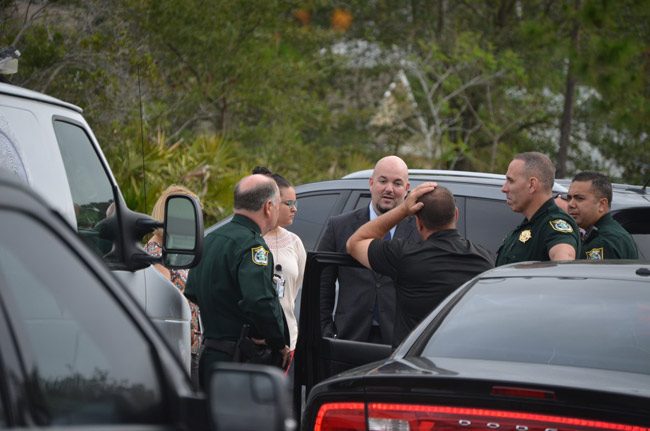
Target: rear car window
x: 603, y: 324
x: 488, y: 221
x: 312, y: 215
x: 643, y: 245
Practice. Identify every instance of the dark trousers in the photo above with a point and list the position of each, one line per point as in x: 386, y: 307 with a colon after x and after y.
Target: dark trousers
x: 194, y: 369
x: 375, y: 335
x: 208, y: 358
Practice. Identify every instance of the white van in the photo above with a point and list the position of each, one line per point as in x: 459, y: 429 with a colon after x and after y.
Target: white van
x: 48, y: 144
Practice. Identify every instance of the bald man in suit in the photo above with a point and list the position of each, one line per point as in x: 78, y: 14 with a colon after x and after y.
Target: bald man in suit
x: 365, y: 307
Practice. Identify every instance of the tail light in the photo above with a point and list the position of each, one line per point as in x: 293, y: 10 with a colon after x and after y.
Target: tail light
x: 406, y: 417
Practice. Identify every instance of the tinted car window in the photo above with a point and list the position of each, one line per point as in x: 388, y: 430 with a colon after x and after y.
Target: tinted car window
x: 642, y: 245
x: 363, y: 201
x: 635, y: 221
x: 556, y: 321
x: 313, y: 212
x: 90, y: 187
x: 78, y: 344
x: 488, y: 221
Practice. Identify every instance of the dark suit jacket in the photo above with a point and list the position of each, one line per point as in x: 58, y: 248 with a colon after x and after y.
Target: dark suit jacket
x: 358, y: 287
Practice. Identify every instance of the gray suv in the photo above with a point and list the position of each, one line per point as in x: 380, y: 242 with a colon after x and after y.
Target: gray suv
x: 485, y: 218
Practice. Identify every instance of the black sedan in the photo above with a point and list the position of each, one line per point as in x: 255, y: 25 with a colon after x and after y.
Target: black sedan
x: 527, y: 347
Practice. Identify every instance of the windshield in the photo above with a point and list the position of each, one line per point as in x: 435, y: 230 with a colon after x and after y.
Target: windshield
x: 558, y: 321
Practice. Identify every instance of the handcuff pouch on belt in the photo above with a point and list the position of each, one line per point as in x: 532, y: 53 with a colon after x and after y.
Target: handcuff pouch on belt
x: 247, y: 351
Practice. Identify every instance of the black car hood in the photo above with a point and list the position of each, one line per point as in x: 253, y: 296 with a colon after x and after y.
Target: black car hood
x: 499, y: 372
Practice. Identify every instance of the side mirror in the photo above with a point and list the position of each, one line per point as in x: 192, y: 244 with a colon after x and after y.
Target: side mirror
x: 183, y: 232
x: 249, y: 397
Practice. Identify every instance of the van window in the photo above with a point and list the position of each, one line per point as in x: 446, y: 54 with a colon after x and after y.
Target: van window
x: 90, y: 187
x: 89, y: 360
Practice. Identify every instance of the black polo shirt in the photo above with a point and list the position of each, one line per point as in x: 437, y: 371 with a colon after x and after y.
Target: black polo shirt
x: 426, y: 272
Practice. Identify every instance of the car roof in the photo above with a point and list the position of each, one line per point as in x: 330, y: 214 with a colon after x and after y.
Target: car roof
x: 450, y: 176
x: 12, y: 90
x: 424, y: 173
x: 612, y: 269
x: 629, y: 195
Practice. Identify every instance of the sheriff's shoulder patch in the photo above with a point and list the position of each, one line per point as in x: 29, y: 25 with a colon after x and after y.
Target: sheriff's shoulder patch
x: 596, y: 254
x: 561, y: 226
x: 260, y: 256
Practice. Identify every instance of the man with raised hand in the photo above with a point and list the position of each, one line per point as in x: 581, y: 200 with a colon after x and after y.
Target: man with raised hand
x: 425, y: 272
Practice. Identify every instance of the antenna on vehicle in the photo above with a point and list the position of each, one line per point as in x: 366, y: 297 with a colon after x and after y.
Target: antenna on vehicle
x: 645, y: 186
x: 144, y: 176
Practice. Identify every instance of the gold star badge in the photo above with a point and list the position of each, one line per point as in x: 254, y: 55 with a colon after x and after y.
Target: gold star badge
x: 525, y: 235
x: 596, y: 254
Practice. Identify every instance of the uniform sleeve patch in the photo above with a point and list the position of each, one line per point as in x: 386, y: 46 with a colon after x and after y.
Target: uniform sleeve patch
x: 260, y: 256
x: 561, y: 226
x: 596, y: 254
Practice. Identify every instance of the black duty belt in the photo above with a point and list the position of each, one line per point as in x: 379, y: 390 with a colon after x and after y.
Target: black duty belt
x: 224, y: 346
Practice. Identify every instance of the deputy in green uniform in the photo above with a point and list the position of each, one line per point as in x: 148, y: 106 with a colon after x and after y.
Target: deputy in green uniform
x: 233, y: 284
x: 547, y: 232
x: 590, y: 198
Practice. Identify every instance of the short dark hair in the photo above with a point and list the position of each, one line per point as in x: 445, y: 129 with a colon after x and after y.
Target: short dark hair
x: 282, y: 182
x: 439, y: 208
x: 540, y: 165
x: 600, y: 184
x: 253, y: 198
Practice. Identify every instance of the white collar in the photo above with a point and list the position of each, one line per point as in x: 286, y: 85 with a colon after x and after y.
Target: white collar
x: 373, y: 215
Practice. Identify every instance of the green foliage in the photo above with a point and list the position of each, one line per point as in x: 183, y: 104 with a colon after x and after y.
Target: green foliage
x: 225, y: 85
x: 205, y: 165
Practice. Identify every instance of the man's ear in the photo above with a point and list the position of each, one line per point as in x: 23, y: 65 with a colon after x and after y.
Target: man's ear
x: 456, y: 215
x: 418, y: 224
x: 267, y: 208
x: 603, y: 207
x: 533, y: 184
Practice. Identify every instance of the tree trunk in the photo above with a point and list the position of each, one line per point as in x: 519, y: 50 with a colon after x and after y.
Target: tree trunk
x: 440, y: 22
x: 569, y: 97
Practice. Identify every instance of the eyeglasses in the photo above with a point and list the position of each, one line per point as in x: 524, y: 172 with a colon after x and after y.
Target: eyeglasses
x: 562, y: 196
x: 291, y: 204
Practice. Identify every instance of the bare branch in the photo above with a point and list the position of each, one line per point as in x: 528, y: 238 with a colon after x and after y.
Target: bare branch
x: 28, y: 20
x: 52, y: 76
x: 477, y: 80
